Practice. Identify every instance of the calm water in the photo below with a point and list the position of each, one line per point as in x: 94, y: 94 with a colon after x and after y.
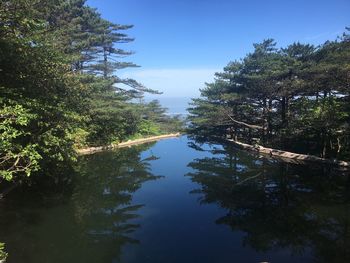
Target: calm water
x: 169, y: 202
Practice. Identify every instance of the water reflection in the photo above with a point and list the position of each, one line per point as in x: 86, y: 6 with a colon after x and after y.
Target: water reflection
x: 260, y: 210
x: 278, y: 206
x: 89, y: 220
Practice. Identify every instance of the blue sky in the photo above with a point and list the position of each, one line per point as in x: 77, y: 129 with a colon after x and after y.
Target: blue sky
x: 181, y: 43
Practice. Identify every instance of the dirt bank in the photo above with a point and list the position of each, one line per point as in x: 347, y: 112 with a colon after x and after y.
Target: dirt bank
x: 91, y: 150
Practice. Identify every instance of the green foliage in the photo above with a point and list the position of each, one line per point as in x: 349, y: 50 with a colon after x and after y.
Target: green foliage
x: 148, y: 128
x: 295, y: 98
x: 154, y: 112
x: 79, y: 137
x: 3, y: 254
x: 17, y: 153
x: 58, y: 87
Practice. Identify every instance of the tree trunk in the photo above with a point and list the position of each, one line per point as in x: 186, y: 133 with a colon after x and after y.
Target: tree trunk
x: 339, y: 147
x: 285, y: 111
x: 324, y: 149
x: 105, y: 63
x: 265, y: 120
x: 269, y: 118
x: 284, y: 121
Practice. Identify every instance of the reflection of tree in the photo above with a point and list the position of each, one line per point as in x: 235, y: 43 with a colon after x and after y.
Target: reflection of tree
x: 103, y: 201
x: 278, y: 205
x: 91, y: 222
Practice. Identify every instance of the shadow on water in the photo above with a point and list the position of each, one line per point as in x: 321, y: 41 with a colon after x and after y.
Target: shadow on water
x: 86, y: 219
x: 277, y: 206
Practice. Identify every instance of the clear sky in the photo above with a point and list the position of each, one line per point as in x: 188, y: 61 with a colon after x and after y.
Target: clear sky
x: 181, y: 43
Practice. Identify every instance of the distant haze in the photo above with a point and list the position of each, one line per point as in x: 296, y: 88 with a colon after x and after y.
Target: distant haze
x: 177, y: 85
x: 175, y: 105
x: 178, y: 82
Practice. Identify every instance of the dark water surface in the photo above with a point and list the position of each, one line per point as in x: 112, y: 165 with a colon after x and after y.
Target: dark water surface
x: 168, y: 202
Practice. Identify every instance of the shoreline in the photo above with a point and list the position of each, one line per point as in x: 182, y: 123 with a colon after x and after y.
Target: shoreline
x: 288, y: 156
x: 92, y: 150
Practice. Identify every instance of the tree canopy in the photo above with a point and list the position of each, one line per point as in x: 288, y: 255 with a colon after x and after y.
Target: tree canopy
x: 59, y: 85
x: 294, y: 98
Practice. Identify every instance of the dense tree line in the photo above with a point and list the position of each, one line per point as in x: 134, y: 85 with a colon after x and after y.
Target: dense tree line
x: 59, y: 89
x: 295, y: 98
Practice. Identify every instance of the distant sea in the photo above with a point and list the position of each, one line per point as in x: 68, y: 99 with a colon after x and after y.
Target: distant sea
x: 175, y: 105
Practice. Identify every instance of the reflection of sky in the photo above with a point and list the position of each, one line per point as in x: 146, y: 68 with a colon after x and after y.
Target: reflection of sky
x: 176, y: 227
x: 195, y: 212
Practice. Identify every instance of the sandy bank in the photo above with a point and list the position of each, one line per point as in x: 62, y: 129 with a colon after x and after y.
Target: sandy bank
x: 91, y: 150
